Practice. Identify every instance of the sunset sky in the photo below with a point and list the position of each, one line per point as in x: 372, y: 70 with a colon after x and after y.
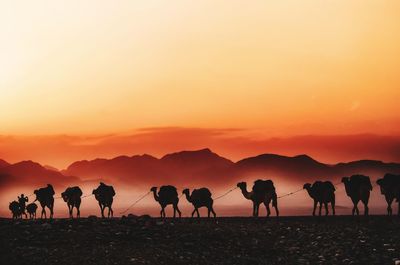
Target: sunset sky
x: 85, y: 70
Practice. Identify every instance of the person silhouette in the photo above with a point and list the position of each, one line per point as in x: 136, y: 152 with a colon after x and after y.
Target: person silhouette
x: 22, y: 200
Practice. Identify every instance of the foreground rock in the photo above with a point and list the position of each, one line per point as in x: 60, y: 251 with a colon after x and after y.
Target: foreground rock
x: 143, y: 240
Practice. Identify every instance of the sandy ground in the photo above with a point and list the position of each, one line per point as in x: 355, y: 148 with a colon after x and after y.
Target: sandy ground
x: 144, y: 240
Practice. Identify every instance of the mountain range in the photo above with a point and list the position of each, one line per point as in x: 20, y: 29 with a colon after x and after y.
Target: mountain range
x: 190, y: 168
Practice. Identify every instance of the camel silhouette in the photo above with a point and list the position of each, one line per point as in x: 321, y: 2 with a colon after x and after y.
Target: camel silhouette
x: 46, y: 199
x: 22, y: 200
x: 167, y: 195
x: 72, y: 196
x: 15, y: 210
x: 31, y: 208
x: 322, y: 193
x: 358, y: 187
x: 200, y: 198
x: 390, y: 188
x: 263, y: 192
x: 104, y: 194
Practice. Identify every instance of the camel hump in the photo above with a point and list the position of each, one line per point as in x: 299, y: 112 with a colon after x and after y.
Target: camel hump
x: 201, y: 193
x: 360, y: 180
x: 168, y: 190
x: 70, y: 191
x: 263, y: 185
x: 391, y: 179
x: 104, y: 189
x: 329, y: 185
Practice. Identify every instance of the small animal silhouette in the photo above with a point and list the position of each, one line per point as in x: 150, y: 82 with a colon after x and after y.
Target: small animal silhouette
x: 104, y: 194
x: 46, y: 199
x: 200, y: 198
x: 15, y: 210
x: 22, y: 200
x: 167, y: 195
x: 263, y: 192
x: 322, y: 193
x: 72, y: 196
x: 390, y: 188
x: 358, y: 187
x: 31, y: 208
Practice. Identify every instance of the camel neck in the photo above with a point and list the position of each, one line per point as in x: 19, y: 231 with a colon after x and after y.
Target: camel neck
x: 245, y: 193
x: 155, y: 195
x: 188, y: 197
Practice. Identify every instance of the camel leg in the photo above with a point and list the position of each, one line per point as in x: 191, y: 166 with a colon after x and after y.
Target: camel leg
x: 254, y: 209
x: 212, y: 211
x: 333, y: 207
x: 102, y: 207
x: 366, y: 209
x: 389, y: 202
x: 315, y: 207
x: 112, y: 212
x: 193, y: 212
x: 326, y: 208
x: 51, y: 211
x: 43, y: 213
x: 161, y: 213
x: 320, y: 208
x: 197, y: 211
x: 179, y: 212
x: 268, y: 209
x: 275, y: 205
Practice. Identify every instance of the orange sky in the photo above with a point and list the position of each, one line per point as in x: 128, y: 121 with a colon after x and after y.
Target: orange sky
x: 276, y: 68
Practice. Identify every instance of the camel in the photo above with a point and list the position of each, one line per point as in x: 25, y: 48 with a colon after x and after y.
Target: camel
x: 31, y: 208
x: 167, y: 195
x: 104, y: 195
x: 390, y: 188
x: 15, y: 210
x: 263, y: 192
x: 46, y: 199
x: 322, y: 193
x: 200, y: 198
x: 358, y: 187
x: 22, y: 204
x: 72, y: 196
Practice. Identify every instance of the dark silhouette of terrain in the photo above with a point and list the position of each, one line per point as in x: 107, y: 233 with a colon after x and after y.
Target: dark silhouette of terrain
x: 322, y: 192
x: 200, y: 198
x: 72, y: 196
x: 45, y: 196
x: 358, y: 188
x: 167, y: 195
x: 144, y: 240
x: 390, y: 188
x: 188, y: 168
x: 104, y: 194
x: 203, y: 166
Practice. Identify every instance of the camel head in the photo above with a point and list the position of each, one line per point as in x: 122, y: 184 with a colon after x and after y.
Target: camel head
x: 153, y: 189
x: 380, y: 182
x: 64, y: 196
x: 242, y: 185
x: 186, y: 191
x: 306, y: 186
x: 345, y: 179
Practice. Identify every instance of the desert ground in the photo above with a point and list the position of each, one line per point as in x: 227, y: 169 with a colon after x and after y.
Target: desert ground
x: 234, y: 240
